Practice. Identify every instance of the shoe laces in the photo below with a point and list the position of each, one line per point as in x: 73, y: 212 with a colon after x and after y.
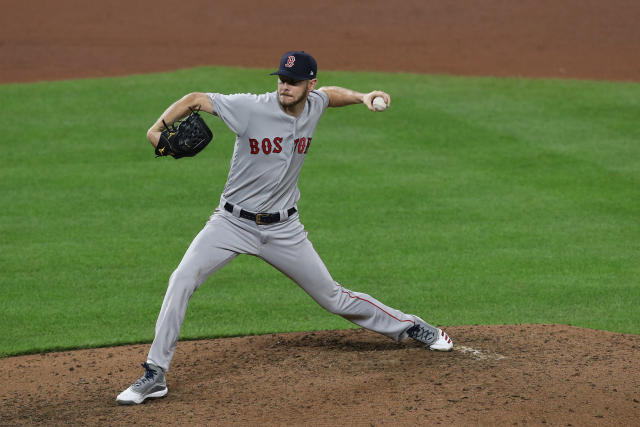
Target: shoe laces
x: 149, y: 375
x: 420, y: 333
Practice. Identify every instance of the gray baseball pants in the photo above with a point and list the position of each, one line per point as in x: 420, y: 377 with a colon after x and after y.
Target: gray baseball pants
x: 285, y: 246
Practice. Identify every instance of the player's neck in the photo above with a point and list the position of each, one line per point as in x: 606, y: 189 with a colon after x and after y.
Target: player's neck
x: 294, y: 110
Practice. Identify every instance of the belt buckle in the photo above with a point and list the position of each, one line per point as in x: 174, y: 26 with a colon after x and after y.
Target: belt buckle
x: 260, y: 218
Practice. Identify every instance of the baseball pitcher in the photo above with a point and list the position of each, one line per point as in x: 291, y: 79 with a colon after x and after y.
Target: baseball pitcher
x: 258, y: 213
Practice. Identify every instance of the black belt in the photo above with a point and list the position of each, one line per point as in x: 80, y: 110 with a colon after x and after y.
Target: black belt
x: 259, y: 218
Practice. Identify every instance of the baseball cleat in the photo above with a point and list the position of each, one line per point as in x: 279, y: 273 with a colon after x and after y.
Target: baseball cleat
x: 434, y: 338
x: 443, y: 343
x: 151, y: 385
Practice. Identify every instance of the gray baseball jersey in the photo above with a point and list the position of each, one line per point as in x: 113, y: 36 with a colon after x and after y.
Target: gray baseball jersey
x: 270, y: 148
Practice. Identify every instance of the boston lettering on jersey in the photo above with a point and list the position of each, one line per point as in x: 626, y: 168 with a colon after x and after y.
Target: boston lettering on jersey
x: 274, y: 145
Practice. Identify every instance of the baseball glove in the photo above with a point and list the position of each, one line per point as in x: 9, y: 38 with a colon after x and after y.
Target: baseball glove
x: 186, y: 140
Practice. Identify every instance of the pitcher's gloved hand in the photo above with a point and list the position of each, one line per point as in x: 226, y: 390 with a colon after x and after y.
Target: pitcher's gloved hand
x: 186, y: 140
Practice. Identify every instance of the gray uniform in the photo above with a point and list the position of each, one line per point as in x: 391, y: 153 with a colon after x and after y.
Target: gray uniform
x: 270, y: 149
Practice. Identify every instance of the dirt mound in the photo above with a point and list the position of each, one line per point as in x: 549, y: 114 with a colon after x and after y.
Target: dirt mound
x: 497, y: 375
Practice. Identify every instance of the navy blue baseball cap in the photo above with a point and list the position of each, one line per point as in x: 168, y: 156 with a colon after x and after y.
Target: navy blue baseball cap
x: 297, y: 65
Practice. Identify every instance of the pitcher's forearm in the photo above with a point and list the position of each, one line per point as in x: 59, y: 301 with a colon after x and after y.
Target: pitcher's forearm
x: 340, y: 97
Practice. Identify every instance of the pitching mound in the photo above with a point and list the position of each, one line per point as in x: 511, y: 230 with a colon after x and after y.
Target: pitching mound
x: 497, y: 375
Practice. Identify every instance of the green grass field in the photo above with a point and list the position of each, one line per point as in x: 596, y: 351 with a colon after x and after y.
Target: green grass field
x: 470, y: 201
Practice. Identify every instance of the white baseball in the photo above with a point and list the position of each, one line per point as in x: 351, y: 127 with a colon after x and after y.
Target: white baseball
x: 379, y: 104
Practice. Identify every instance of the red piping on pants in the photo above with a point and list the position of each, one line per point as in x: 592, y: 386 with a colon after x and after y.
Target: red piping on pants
x: 344, y: 291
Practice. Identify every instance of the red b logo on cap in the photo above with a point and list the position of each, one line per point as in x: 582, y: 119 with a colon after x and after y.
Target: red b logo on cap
x: 290, y: 61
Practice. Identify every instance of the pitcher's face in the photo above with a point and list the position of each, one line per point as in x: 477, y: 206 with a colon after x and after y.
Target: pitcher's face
x: 292, y: 92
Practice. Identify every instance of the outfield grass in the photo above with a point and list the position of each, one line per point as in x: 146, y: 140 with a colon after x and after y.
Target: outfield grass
x: 470, y: 201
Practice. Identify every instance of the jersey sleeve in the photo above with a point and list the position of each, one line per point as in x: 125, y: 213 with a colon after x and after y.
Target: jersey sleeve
x: 234, y: 110
x: 322, y: 99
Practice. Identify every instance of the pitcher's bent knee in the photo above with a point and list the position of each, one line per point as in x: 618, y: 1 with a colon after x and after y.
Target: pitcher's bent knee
x: 183, y: 281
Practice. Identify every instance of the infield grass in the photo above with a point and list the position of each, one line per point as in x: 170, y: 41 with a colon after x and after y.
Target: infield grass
x: 470, y: 201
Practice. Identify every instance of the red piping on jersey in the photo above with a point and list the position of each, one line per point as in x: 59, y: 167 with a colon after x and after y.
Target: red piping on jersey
x: 344, y: 291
